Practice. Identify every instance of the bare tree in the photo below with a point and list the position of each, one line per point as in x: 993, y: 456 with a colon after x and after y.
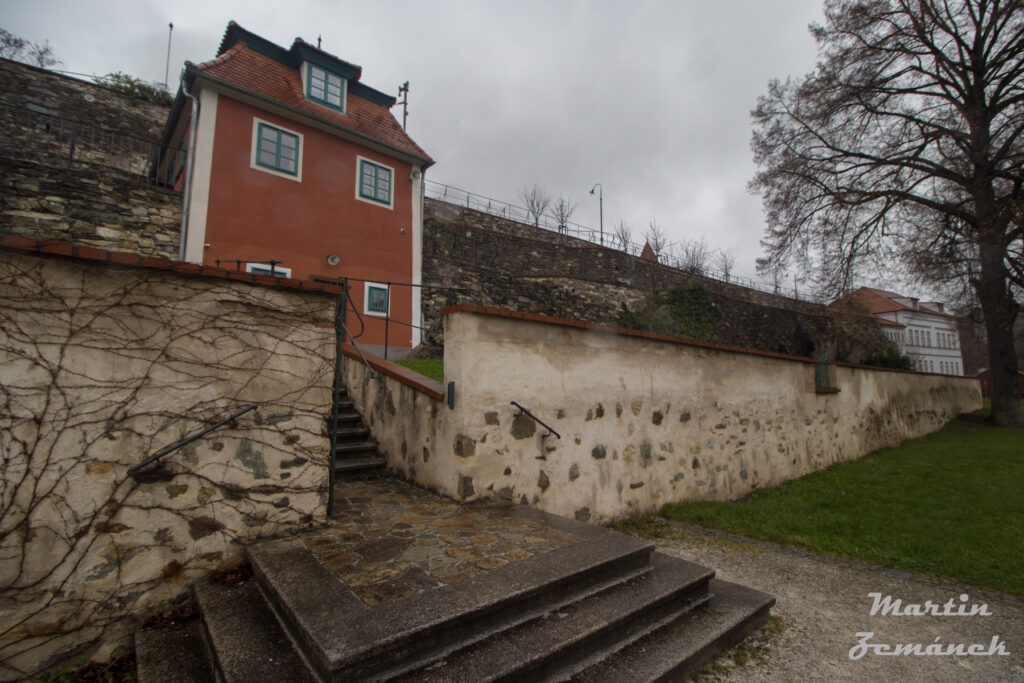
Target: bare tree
x: 907, y: 139
x: 696, y: 256
x: 562, y: 211
x: 17, y: 48
x: 536, y: 202
x: 725, y: 262
x: 624, y: 234
x: 655, y: 237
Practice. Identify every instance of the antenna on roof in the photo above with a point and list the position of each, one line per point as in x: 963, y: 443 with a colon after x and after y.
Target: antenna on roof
x: 403, y: 92
x: 318, y: 42
x: 167, y: 69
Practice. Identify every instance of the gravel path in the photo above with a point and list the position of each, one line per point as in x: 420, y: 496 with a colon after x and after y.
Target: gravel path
x: 823, y: 603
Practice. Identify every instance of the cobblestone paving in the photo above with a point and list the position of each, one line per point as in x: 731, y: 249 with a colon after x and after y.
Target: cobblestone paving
x: 389, y: 539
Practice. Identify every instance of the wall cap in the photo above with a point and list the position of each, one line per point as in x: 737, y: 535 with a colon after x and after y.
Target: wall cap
x: 425, y: 385
x: 96, y: 256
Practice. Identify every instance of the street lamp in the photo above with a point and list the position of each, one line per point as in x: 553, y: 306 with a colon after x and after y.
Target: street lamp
x: 600, y: 204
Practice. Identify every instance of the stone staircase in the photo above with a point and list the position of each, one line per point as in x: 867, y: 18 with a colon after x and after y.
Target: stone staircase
x: 357, y: 451
x: 606, y: 607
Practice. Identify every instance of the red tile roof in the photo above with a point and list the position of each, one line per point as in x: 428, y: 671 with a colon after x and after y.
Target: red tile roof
x: 870, y: 301
x: 248, y: 69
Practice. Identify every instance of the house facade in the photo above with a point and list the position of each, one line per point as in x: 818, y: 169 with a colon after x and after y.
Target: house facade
x: 299, y: 169
x: 922, y: 330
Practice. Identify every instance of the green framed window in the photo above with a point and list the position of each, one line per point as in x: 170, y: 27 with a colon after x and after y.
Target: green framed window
x: 266, y: 269
x: 325, y: 87
x: 376, y: 302
x: 374, y: 182
x: 277, y: 149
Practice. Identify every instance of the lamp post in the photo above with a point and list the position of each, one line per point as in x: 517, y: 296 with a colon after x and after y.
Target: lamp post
x: 600, y: 204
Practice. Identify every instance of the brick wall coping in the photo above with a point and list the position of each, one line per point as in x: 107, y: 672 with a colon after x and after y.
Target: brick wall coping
x: 434, y: 390
x: 96, y: 256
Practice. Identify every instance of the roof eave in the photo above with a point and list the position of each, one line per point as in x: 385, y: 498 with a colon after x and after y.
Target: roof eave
x: 406, y: 155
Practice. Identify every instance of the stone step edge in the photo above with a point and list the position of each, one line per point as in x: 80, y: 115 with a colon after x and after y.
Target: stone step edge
x: 246, y: 638
x: 342, y: 465
x: 340, y: 634
x: 174, y: 652
x: 560, y: 642
x: 680, y: 648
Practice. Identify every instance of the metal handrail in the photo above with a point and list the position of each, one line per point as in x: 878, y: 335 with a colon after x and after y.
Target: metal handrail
x: 524, y: 411
x: 667, y: 258
x: 348, y: 302
x: 41, y: 136
x: 184, y: 442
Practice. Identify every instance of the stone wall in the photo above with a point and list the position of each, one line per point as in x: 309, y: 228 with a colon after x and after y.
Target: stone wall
x: 508, y: 264
x: 644, y: 420
x: 91, y: 206
x: 74, y: 158
x: 101, y: 366
x: 46, y: 92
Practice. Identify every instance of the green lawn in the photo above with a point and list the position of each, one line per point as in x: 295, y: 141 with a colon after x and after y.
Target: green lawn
x: 428, y: 367
x: 950, y: 504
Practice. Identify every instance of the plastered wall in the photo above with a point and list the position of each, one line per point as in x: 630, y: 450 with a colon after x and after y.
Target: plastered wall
x: 643, y: 421
x: 102, y: 366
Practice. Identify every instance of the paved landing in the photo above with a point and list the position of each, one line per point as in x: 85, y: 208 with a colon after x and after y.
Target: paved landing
x: 389, y: 539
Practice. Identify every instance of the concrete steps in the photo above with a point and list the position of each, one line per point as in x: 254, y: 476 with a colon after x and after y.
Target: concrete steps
x: 173, y: 652
x: 357, y: 452
x: 606, y: 608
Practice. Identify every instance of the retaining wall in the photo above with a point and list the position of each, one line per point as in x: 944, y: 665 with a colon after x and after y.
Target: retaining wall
x: 102, y: 365
x: 644, y: 419
x: 506, y: 264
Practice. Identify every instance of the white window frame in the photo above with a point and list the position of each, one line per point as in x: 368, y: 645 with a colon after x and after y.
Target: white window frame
x: 366, y: 299
x: 360, y: 160
x: 264, y: 269
x: 307, y: 82
x: 253, y: 158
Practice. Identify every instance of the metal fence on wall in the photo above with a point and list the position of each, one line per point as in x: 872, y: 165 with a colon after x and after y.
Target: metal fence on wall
x: 668, y: 257
x: 45, y: 138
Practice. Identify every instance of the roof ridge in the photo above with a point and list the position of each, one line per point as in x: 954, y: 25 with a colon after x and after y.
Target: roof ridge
x: 225, y: 56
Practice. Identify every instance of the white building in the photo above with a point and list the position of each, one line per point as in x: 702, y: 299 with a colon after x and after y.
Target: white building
x: 921, y: 329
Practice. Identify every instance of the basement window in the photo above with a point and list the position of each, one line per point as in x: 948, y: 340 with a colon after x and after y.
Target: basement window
x: 376, y: 299
x: 265, y: 269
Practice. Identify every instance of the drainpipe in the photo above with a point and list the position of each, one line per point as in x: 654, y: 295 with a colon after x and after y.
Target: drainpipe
x: 188, y: 166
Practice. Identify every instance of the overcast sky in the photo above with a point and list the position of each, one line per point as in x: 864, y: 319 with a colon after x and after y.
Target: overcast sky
x: 649, y: 98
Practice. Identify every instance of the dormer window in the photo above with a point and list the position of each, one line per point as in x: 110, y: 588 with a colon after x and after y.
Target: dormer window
x: 325, y: 87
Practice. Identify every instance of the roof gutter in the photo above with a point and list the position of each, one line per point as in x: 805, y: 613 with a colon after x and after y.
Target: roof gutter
x: 186, y: 205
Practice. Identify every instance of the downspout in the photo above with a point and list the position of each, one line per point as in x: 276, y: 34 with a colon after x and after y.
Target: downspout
x: 188, y: 166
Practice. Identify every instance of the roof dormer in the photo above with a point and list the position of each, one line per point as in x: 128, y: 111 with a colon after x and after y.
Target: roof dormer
x: 324, y: 86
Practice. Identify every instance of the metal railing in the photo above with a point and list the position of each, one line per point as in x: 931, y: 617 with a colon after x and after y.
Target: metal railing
x: 524, y: 411
x: 188, y: 439
x: 668, y: 257
x: 46, y: 138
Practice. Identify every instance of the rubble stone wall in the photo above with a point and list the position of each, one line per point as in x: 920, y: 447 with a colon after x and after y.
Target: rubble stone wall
x: 102, y: 366
x: 506, y: 264
x: 643, y: 420
x: 90, y: 206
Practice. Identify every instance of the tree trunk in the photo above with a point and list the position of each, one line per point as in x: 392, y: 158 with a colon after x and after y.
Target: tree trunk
x: 1000, y: 311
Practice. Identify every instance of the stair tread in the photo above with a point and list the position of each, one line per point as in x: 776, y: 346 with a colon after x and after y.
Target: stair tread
x: 601, y: 622
x: 174, y: 653
x: 249, y: 642
x: 347, y: 639
x: 683, y: 646
x: 357, y: 445
x: 352, y: 464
